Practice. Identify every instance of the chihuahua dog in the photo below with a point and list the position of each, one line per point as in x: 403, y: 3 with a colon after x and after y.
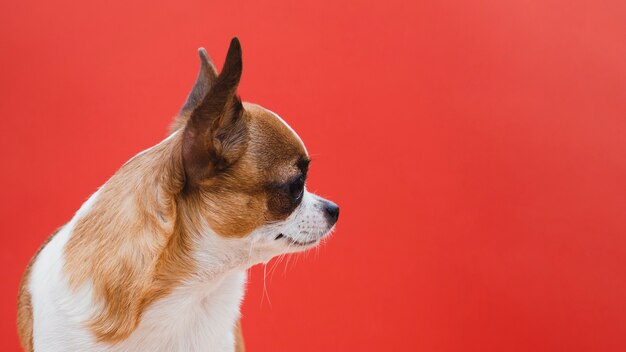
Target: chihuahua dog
x: 156, y: 259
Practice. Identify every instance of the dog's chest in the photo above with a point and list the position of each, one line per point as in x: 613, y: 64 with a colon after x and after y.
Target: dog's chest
x: 193, y: 318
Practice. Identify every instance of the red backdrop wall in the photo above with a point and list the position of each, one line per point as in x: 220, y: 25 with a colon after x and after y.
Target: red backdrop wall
x: 477, y: 149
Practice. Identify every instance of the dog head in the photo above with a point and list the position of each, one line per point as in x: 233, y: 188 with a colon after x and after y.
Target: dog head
x: 245, y: 169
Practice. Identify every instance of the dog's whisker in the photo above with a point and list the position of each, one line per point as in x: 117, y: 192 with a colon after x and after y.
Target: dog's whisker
x: 265, y: 293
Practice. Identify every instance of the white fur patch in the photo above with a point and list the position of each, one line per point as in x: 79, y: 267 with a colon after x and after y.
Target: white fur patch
x: 58, y: 313
x: 196, y: 316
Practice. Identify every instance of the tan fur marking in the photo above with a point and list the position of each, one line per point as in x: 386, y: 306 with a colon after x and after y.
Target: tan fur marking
x: 116, y: 246
x: 239, y: 344
x: 24, y: 304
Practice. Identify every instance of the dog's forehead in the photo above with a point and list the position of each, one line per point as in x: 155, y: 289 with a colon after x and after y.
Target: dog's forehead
x: 273, y: 140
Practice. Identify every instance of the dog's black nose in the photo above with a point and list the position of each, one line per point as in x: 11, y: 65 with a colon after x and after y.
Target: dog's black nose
x: 332, y: 211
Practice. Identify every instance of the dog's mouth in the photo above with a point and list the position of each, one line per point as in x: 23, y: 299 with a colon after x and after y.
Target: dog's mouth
x: 292, y: 241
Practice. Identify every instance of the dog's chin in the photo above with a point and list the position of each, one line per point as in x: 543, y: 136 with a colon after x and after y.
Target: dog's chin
x: 292, y: 242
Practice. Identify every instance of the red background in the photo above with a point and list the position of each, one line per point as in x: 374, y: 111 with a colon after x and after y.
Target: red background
x: 477, y: 149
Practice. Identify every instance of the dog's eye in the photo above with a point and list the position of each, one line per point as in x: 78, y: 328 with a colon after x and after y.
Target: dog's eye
x: 296, y: 188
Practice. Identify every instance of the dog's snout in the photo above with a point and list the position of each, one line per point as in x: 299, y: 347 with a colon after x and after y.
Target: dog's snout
x: 331, y: 211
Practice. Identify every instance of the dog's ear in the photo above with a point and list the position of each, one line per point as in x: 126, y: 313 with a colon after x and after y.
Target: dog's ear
x: 205, y: 80
x: 215, y: 135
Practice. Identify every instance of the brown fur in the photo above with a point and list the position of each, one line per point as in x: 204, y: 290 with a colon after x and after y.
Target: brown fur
x: 239, y: 344
x: 206, y: 77
x: 116, y: 245
x: 24, y: 304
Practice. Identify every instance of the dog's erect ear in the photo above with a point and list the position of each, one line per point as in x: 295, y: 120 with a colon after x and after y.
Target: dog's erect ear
x: 206, y: 79
x: 215, y: 135
x: 204, y: 82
